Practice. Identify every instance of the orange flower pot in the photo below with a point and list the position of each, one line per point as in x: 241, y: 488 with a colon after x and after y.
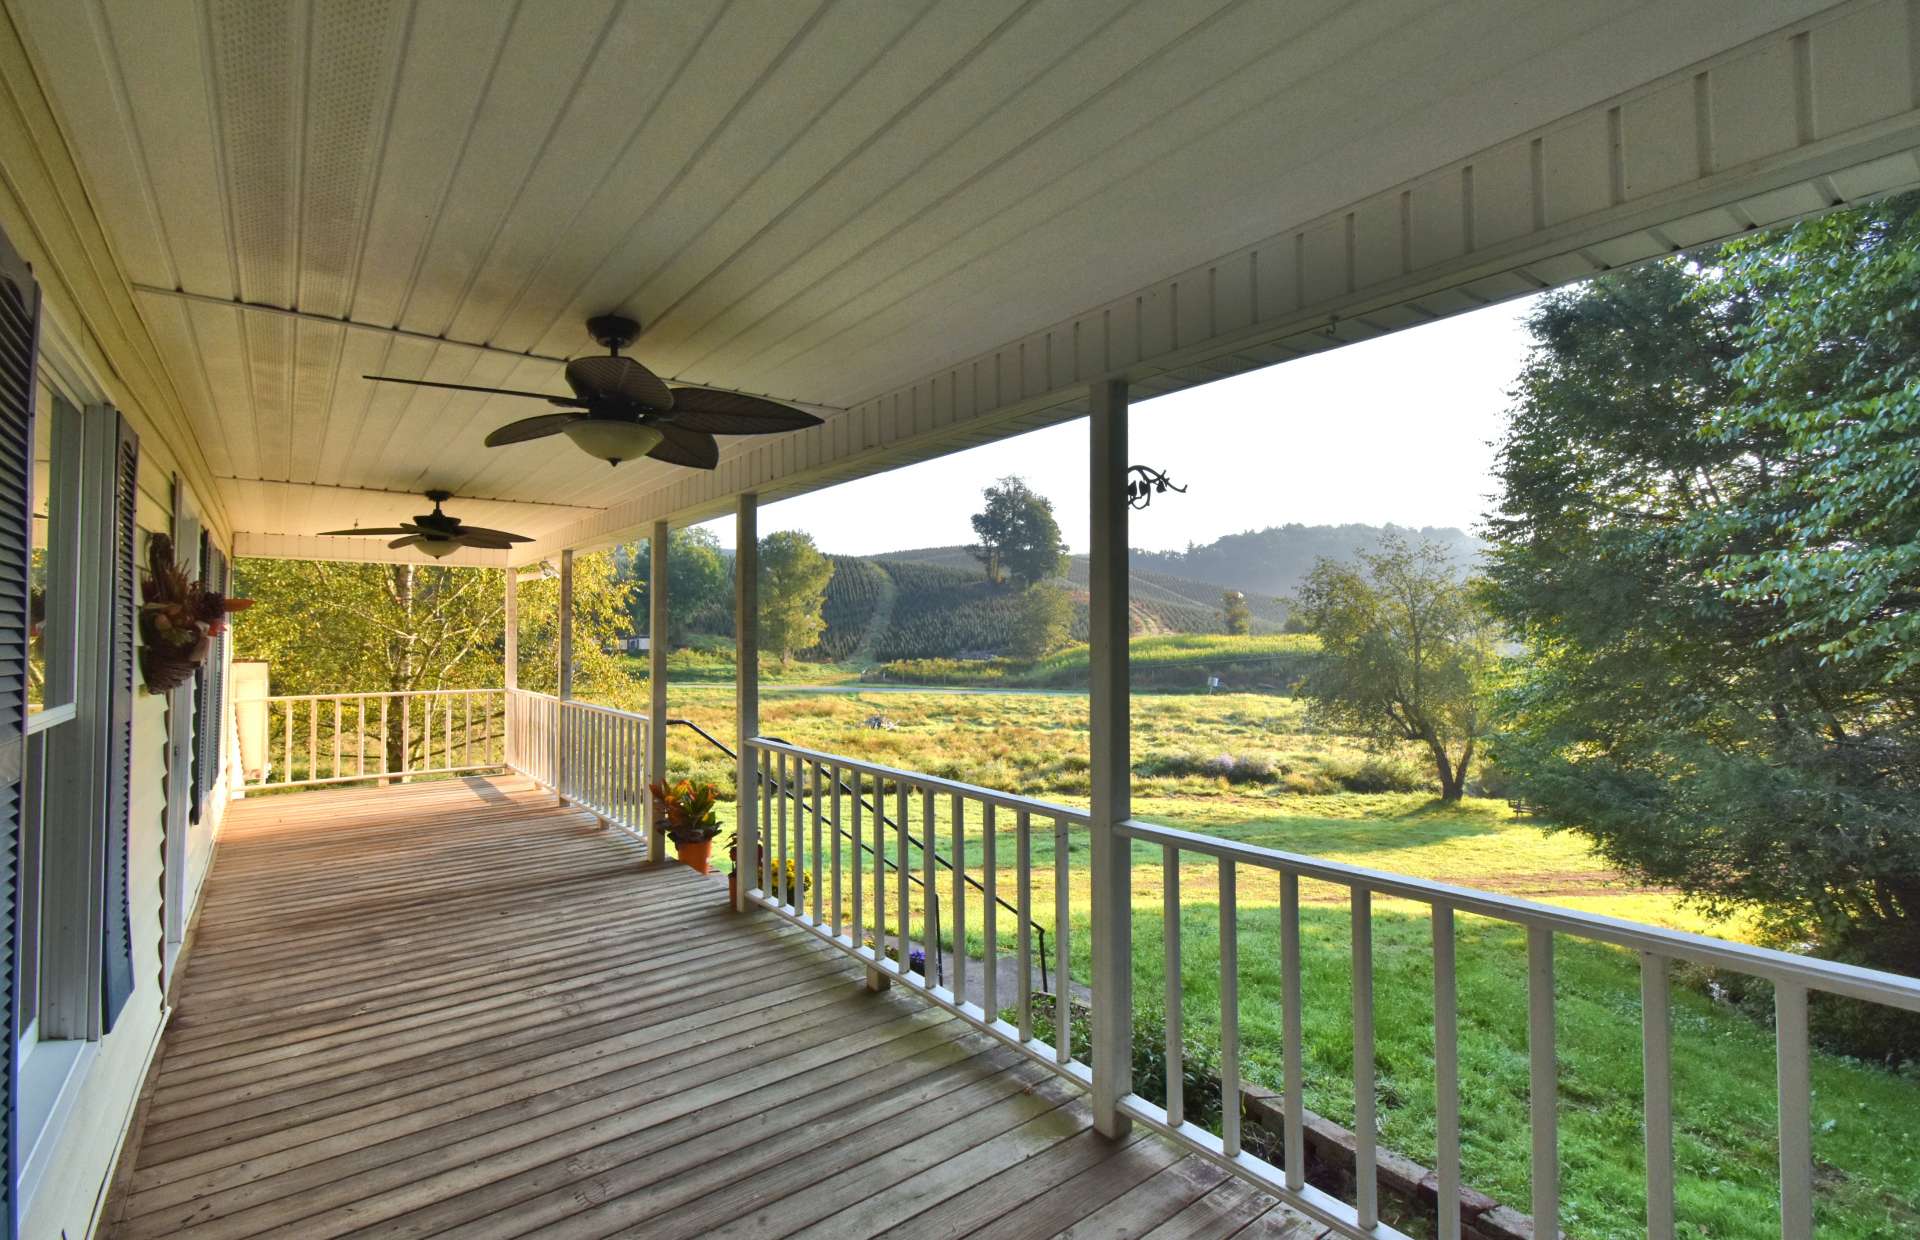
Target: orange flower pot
x: 694, y: 855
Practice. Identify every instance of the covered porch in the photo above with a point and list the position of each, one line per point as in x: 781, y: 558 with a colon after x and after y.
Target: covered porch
x: 479, y: 1003
x: 461, y: 1008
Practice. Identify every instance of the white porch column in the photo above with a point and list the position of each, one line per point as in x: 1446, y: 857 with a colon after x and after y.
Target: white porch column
x: 510, y: 666
x: 512, y: 622
x: 746, y: 691
x: 657, y: 678
x: 1108, y: 724
x: 562, y: 741
x: 566, y: 625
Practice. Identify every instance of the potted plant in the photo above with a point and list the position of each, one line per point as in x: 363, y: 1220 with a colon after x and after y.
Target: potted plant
x: 687, y: 815
x: 789, y: 882
x: 179, y: 618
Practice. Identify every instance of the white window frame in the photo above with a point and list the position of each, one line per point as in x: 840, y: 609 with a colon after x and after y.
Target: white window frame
x: 55, y: 1054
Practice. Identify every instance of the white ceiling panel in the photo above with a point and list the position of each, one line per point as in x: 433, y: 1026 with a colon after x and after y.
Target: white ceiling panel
x: 820, y: 201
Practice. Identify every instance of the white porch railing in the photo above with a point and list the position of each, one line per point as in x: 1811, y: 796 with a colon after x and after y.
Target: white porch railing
x: 594, y: 756
x: 838, y: 853
x: 314, y: 739
x: 817, y: 867
x: 853, y: 852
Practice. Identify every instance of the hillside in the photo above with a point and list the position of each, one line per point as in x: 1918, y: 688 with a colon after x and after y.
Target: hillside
x: 1274, y: 561
x: 934, y: 603
x: 890, y: 608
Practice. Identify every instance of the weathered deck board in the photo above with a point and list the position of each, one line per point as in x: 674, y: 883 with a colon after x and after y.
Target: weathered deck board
x: 457, y: 1009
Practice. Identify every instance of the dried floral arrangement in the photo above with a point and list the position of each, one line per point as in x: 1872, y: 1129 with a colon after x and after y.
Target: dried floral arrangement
x: 179, y: 618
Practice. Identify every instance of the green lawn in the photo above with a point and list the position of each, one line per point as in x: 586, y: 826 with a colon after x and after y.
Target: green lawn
x: 1867, y: 1119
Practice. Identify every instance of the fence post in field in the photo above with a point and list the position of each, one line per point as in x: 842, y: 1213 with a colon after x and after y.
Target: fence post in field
x: 656, y: 764
x: 746, y: 691
x: 565, y: 675
x: 1110, y: 756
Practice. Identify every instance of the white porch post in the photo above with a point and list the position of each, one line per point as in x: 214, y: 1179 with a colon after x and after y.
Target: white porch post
x: 512, y: 623
x: 657, y: 679
x: 1108, y: 724
x: 510, y: 667
x: 746, y: 691
x: 566, y: 625
x: 564, y: 687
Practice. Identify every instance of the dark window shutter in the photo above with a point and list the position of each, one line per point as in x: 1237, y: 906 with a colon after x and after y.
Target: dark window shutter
x: 202, y: 692
x: 210, y: 694
x: 117, y: 972
x: 19, y: 340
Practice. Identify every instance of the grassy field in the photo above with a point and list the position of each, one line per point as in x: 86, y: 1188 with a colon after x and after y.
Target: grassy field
x: 1172, y: 662
x: 1246, y: 766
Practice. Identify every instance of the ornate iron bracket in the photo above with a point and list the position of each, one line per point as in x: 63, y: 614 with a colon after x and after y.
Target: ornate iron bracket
x: 1144, y: 483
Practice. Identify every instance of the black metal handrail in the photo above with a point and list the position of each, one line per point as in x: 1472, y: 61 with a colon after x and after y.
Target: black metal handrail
x: 801, y: 807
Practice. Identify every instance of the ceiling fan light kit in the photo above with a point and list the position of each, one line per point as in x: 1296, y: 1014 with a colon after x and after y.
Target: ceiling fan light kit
x: 613, y: 442
x: 620, y: 410
x: 436, y: 533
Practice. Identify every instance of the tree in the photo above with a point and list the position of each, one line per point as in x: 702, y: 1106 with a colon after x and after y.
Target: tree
x: 344, y: 628
x: 601, y: 618
x: 1044, y: 622
x: 793, y: 592
x: 699, y: 583
x: 1018, y: 536
x: 1409, y: 653
x: 1235, y: 614
x: 1709, y: 540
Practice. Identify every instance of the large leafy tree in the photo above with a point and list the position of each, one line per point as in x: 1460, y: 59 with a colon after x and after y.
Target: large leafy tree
x: 1409, y: 653
x: 699, y: 583
x: 1019, y: 537
x: 601, y: 617
x: 1709, y: 540
x: 793, y: 593
x: 337, y: 628
x: 1044, y: 621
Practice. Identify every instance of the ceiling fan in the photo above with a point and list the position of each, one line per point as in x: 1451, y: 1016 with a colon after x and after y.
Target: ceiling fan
x: 620, y: 410
x: 438, y: 534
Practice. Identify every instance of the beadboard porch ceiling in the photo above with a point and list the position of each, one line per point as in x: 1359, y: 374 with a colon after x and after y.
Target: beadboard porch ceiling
x: 832, y: 202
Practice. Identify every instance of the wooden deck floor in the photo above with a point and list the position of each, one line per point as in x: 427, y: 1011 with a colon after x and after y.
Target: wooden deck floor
x: 457, y: 1009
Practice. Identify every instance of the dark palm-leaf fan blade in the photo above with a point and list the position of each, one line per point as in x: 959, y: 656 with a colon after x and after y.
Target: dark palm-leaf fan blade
x: 483, y: 532
x: 367, y: 533
x: 565, y: 401
x: 408, y: 541
x: 680, y: 446
x: 617, y: 376
x: 536, y: 427
x: 483, y: 544
x: 729, y: 413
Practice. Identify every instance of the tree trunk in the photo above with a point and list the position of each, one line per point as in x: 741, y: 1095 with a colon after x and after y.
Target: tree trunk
x: 1453, y: 775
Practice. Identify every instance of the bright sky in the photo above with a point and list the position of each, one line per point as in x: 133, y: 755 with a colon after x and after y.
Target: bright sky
x: 1398, y: 429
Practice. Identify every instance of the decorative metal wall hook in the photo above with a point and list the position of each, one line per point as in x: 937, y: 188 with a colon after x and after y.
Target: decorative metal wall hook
x: 1144, y: 483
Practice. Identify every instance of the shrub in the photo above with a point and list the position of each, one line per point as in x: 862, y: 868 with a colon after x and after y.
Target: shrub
x: 1234, y: 768
x: 939, y: 672
x: 1381, y: 773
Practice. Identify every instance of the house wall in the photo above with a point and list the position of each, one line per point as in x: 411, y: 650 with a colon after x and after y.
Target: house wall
x: 94, y: 339
x: 67, y: 1202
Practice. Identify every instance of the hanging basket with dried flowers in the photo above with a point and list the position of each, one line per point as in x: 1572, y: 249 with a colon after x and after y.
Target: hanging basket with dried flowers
x: 179, y: 618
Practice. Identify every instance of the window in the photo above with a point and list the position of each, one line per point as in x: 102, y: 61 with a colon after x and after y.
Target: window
x: 74, y: 956
x: 52, y: 598
x: 53, y: 602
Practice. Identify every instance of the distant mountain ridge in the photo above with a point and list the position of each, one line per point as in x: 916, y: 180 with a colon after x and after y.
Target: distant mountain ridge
x: 1270, y: 563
